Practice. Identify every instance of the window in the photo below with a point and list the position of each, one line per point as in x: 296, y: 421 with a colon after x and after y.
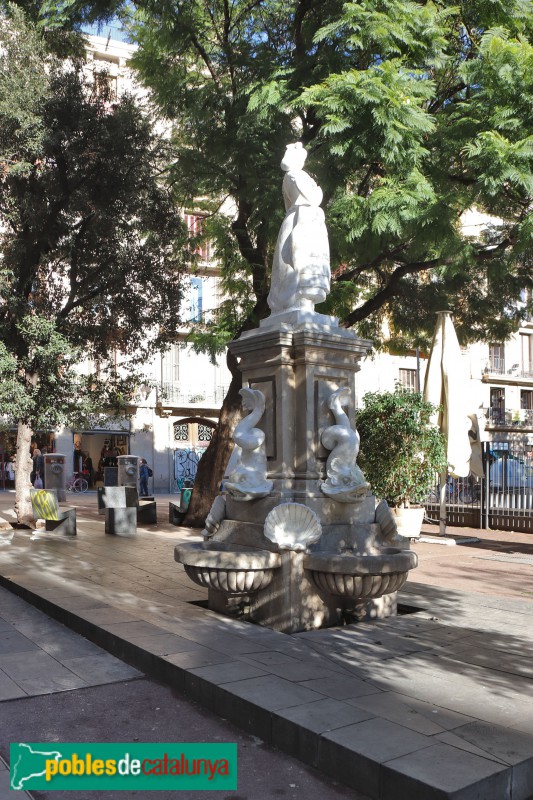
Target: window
x: 105, y: 85
x: 526, y: 404
x: 196, y: 300
x: 205, y: 433
x: 497, y: 358
x: 181, y: 432
x: 497, y: 406
x: 195, y: 226
x: 409, y: 380
x: 170, y: 366
x: 526, y: 399
x: 526, y: 349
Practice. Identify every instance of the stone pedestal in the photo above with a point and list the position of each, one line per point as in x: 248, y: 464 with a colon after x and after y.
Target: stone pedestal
x: 297, y: 370
x: 347, y: 570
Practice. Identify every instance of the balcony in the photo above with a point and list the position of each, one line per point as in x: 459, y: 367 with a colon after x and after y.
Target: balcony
x: 496, y: 372
x: 521, y: 419
x: 172, y: 396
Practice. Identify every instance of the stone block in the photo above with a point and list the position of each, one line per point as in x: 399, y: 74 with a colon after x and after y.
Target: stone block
x: 505, y: 745
x: 66, y: 524
x: 117, y: 497
x: 121, y: 521
x: 441, y: 772
x: 272, y: 693
x: 342, y: 688
x: 354, y: 754
x: 175, y: 514
x: 409, y: 712
x: 228, y: 672
x: 147, y: 512
x: 243, y: 712
x: 297, y: 730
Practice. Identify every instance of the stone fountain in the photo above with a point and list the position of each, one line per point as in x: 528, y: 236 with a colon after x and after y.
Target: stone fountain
x: 296, y: 540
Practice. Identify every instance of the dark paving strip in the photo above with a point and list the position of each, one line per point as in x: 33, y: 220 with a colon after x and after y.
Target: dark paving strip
x: 146, y: 711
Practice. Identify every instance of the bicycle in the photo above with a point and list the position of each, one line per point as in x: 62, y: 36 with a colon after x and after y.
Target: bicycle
x: 470, y: 494
x: 77, y: 484
x: 452, y: 493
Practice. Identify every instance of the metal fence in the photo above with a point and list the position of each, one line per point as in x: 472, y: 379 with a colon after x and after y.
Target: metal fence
x: 503, y: 500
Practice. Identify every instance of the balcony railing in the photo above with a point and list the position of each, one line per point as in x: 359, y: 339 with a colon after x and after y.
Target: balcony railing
x: 513, y: 372
x: 111, y: 32
x: 496, y: 367
x: 173, y: 394
x: 517, y: 418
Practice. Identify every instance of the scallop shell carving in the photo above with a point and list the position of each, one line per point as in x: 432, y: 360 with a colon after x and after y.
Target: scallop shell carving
x: 292, y: 526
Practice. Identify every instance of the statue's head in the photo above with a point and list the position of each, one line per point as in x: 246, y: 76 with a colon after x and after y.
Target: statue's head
x: 252, y: 398
x: 294, y: 157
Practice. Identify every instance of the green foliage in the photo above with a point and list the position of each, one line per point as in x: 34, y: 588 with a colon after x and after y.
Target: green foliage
x: 23, y: 84
x: 400, y: 451
x: 413, y: 113
x: 93, y: 250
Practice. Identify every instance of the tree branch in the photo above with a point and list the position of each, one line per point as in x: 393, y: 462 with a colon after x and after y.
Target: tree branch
x: 245, y: 11
x: 391, y: 289
x: 301, y: 10
x: 205, y: 58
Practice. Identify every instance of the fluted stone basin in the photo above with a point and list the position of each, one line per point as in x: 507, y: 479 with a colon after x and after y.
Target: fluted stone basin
x: 233, y: 572
x: 358, y: 576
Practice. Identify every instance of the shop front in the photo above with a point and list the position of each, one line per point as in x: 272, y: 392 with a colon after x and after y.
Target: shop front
x: 42, y: 440
x: 95, y: 455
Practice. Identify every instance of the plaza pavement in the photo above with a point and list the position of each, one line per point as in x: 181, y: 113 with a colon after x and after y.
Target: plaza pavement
x: 435, y: 703
x: 63, y: 688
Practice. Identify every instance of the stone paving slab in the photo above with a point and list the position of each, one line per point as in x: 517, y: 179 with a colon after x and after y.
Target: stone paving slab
x: 414, y: 714
x: 373, y: 705
x: 357, y: 753
x: 5, y: 791
x: 441, y: 772
x: 40, y: 656
x: 298, y: 729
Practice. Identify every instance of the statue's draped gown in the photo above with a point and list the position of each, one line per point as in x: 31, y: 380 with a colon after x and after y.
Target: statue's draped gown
x: 300, y: 269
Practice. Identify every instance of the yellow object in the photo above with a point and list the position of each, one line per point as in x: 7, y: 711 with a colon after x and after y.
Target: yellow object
x: 44, y: 504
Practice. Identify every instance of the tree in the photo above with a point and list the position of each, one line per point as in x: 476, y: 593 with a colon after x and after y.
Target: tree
x: 413, y: 112
x: 93, y: 250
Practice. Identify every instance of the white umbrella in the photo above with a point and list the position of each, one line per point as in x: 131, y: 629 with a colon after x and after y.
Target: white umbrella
x: 447, y: 385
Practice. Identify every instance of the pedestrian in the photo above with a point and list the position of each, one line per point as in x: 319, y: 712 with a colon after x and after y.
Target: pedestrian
x: 88, y: 469
x: 144, y: 474
x: 44, y: 452
x: 38, y: 465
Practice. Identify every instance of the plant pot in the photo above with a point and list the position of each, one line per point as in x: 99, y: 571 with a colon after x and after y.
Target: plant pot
x: 409, y: 521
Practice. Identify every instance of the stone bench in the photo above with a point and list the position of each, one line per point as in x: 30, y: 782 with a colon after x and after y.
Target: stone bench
x: 147, y: 511
x: 177, y: 511
x: 45, y: 506
x: 124, y: 509
x: 175, y: 514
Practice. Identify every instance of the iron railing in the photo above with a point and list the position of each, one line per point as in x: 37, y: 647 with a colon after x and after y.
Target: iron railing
x: 517, y: 418
x: 175, y: 394
x: 502, y: 500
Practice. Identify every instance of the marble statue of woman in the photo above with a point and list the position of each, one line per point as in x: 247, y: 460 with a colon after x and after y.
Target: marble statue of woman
x: 248, y: 480
x: 301, y: 273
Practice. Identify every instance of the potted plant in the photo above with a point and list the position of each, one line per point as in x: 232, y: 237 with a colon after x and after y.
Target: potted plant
x: 400, y: 453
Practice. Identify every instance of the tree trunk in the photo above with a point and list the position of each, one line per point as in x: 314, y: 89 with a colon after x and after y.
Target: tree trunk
x: 213, y: 462
x: 23, y: 469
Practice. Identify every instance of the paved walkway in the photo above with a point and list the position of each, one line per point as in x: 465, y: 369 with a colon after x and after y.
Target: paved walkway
x: 39, y: 656
x: 433, y: 703
x: 64, y: 688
